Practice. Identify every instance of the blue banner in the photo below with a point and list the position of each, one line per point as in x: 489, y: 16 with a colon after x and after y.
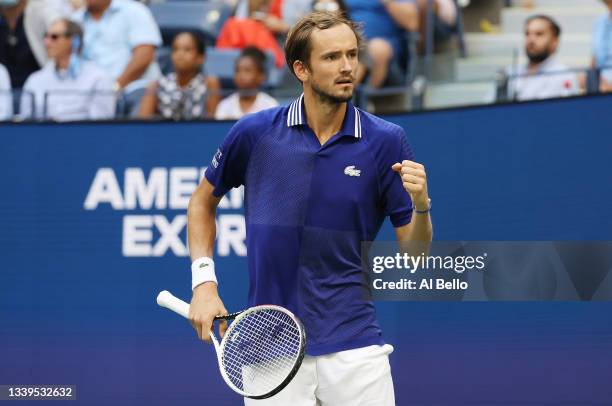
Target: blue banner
x: 93, y: 226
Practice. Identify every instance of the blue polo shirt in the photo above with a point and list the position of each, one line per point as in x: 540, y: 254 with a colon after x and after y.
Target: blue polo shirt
x: 308, y: 208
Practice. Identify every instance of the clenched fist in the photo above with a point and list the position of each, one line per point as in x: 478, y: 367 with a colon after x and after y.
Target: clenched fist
x: 414, y: 179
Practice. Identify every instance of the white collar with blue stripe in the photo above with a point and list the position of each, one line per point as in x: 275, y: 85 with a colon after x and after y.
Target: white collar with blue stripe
x: 296, y: 116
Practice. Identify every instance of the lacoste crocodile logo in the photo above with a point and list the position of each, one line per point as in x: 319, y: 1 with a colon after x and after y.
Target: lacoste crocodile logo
x: 351, y: 171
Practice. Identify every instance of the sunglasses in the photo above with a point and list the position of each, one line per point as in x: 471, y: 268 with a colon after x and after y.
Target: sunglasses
x: 55, y: 36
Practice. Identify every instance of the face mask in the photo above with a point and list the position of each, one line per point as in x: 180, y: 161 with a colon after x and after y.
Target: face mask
x: 8, y: 3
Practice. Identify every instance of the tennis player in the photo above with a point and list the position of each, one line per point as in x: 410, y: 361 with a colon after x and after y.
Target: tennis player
x: 320, y: 177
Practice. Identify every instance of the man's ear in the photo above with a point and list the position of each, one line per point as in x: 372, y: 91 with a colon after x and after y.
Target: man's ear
x: 301, y: 71
x: 554, y: 45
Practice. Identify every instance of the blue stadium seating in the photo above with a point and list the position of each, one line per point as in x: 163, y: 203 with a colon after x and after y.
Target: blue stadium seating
x: 204, y: 18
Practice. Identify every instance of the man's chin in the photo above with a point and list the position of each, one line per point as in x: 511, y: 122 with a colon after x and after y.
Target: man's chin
x: 344, y: 96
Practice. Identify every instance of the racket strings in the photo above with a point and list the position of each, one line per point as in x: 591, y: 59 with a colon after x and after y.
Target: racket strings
x: 262, y: 350
x: 262, y: 365
x: 253, y: 373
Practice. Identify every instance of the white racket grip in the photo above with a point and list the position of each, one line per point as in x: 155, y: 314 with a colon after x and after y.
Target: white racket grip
x: 169, y: 301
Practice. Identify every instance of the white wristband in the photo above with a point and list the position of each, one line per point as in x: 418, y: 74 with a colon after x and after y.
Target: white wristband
x: 202, y: 270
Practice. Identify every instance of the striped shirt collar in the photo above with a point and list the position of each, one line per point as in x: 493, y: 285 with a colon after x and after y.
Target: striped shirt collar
x: 351, y: 125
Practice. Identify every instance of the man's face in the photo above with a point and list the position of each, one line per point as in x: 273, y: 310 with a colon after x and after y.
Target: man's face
x: 540, y: 42
x: 333, y: 64
x: 57, y: 42
x: 247, y: 75
x: 96, y: 5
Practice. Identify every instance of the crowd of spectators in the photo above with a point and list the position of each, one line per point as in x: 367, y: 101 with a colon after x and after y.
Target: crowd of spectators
x: 74, y: 59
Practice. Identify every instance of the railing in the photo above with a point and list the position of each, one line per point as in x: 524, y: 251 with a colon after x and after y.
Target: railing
x: 419, y: 94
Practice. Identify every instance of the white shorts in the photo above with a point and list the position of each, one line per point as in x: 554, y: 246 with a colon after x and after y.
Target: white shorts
x: 347, y: 378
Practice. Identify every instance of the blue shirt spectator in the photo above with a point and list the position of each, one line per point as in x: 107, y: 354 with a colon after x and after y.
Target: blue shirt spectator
x: 385, y: 23
x: 602, y: 46
x: 377, y: 22
x: 68, y: 88
x: 121, y: 37
x: 6, y: 99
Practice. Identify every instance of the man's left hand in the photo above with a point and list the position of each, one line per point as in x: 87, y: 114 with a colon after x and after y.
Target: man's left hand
x: 414, y: 180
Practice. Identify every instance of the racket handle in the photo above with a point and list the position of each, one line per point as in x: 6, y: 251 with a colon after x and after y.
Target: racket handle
x: 169, y: 301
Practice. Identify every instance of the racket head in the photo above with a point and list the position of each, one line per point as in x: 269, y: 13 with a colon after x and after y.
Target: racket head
x: 262, y: 351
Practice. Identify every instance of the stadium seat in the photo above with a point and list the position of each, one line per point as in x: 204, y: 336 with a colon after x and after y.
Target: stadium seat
x: 204, y: 18
x: 128, y: 103
x: 221, y: 62
x: 164, y: 59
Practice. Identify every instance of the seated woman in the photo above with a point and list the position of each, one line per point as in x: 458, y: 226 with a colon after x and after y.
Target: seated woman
x: 186, y: 93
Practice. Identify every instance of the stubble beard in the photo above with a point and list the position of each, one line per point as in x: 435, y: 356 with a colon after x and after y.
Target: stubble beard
x: 328, y: 98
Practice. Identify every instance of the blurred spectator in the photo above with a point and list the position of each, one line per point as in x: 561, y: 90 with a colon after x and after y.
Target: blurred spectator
x: 184, y: 94
x: 6, y: 97
x: 243, y: 32
x: 22, y: 27
x: 121, y: 37
x: 445, y: 19
x: 543, y: 76
x: 385, y: 25
x: 268, y: 12
x: 293, y: 10
x: 602, y: 48
x: 68, y: 88
x: 250, y: 74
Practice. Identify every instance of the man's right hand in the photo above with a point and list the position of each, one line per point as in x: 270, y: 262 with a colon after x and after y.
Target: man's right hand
x: 205, y: 306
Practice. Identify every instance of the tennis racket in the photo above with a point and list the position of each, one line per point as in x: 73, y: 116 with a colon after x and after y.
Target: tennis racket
x: 261, y: 350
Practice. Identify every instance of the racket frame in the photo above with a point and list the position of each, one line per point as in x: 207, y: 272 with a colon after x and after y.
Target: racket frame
x: 236, y: 317
x: 169, y: 301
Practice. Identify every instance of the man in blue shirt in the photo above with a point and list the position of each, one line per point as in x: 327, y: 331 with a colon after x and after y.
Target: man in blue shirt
x: 385, y: 23
x: 320, y: 177
x: 121, y: 37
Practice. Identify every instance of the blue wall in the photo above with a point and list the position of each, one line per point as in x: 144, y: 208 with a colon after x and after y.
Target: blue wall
x: 74, y: 309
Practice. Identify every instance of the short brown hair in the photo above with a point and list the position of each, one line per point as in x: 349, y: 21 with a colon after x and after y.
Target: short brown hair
x: 298, y: 45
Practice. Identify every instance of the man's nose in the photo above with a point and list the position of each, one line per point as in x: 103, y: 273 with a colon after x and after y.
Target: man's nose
x: 346, y: 64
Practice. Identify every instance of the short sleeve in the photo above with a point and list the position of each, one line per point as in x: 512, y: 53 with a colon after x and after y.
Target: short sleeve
x: 228, y: 166
x: 395, y: 200
x: 144, y: 29
x: 28, y: 100
x: 6, y: 99
x: 223, y: 111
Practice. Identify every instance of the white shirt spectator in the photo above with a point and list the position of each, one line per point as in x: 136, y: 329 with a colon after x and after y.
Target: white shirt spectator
x: 86, y: 95
x: 552, y: 79
x: 6, y: 97
x: 229, y: 108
